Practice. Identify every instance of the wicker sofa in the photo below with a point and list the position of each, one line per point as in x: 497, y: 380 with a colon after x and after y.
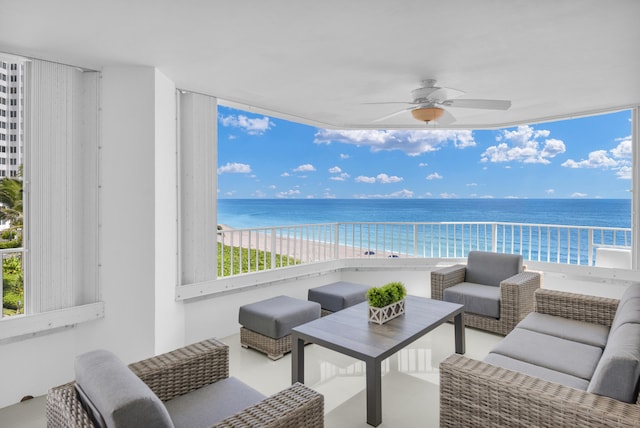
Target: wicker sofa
x: 190, y: 387
x: 506, y: 392
x: 495, y: 289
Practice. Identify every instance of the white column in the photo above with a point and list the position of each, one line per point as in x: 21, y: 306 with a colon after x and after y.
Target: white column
x: 635, y: 188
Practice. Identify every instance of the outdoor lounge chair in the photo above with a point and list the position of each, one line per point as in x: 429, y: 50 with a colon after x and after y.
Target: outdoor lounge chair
x: 495, y: 290
x: 183, y: 388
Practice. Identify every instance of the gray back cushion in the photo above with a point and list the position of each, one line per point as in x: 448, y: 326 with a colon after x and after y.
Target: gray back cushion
x: 491, y: 268
x: 121, y: 398
x: 618, y: 370
x: 628, y: 309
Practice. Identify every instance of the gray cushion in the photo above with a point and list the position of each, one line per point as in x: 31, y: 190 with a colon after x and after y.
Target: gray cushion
x: 491, y: 268
x: 536, y: 371
x: 275, y: 317
x: 122, y: 399
x: 212, y: 403
x: 619, y: 368
x: 339, y: 295
x: 476, y: 298
x: 578, y: 331
x: 628, y: 309
x: 573, y: 358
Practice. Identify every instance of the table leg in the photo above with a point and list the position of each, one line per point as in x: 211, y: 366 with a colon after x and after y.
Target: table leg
x: 460, y: 340
x: 297, y: 359
x: 374, y: 392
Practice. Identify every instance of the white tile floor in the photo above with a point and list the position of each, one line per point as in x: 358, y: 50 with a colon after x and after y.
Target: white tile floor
x: 409, y: 383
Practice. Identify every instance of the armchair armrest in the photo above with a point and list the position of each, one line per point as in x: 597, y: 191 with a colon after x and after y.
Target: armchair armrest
x: 445, y: 278
x: 185, y: 369
x: 476, y: 394
x: 579, y: 307
x: 295, y: 406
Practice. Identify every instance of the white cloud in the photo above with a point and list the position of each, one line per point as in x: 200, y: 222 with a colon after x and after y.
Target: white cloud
x: 423, y: 164
x: 624, y: 172
x: 234, y: 168
x: 579, y: 195
x: 524, y: 144
x: 335, y: 170
x: 285, y: 174
x: 252, y: 126
x: 271, y: 186
x: 259, y: 194
x: 385, y: 179
x: 434, y: 176
x: 448, y: 195
x: 596, y: 159
x: 344, y: 156
x: 288, y: 193
x: 342, y: 177
x: 304, y: 168
x: 472, y: 184
x: 412, y: 142
x: 623, y: 150
x: 550, y: 191
x: 404, y: 193
x: 365, y: 179
x: 617, y: 159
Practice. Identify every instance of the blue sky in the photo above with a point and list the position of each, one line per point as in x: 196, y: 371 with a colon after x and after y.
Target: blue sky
x: 265, y: 157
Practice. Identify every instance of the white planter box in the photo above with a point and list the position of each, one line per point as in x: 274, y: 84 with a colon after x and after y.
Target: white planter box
x: 386, y: 313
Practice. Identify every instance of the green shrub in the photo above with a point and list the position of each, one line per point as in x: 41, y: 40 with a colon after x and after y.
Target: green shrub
x: 387, y: 294
x: 12, y: 265
x: 10, y: 300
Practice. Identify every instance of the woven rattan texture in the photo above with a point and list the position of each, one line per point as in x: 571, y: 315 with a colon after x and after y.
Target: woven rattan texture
x: 185, y: 370
x: 476, y: 394
x: 580, y: 307
x: 274, y: 348
x: 516, y: 298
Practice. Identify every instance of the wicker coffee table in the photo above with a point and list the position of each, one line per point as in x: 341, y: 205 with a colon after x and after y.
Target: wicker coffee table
x: 349, y: 332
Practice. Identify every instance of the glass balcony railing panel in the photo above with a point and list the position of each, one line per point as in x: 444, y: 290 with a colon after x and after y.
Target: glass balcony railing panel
x: 12, y: 282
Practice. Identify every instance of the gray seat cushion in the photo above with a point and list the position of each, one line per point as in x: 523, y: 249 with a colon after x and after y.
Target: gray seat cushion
x: 491, y: 268
x: 121, y: 398
x: 578, y: 331
x: 536, y: 371
x: 275, y: 317
x: 565, y: 356
x: 212, y: 403
x: 339, y: 295
x: 619, y: 368
x: 477, y: 298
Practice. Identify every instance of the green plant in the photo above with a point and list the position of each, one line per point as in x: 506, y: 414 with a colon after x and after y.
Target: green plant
x: 11, y: 300
x: 392, y: 292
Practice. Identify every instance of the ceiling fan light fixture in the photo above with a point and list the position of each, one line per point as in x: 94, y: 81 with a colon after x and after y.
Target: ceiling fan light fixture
x: 427, y: 114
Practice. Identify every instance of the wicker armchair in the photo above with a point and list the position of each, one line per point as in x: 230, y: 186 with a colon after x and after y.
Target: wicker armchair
x: 190, y: 368
x: 476, y: 394
x: 516, y: 295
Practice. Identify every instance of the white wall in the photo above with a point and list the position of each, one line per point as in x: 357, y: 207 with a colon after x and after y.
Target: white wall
x: 138, y: 241
x: 169, y: 314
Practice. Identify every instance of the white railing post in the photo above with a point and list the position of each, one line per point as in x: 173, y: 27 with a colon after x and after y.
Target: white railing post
x: 590, y: 248
x: 336, y: 242
x: 494, y: 237
x: 273, y: 249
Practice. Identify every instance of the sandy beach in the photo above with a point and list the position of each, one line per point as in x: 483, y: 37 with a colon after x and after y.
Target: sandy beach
x: 304, y: 250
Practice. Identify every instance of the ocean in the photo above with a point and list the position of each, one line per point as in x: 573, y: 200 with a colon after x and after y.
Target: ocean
x: 249, y: 213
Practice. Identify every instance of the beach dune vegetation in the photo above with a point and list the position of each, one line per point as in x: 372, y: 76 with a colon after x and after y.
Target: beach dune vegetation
x: 237, y: 260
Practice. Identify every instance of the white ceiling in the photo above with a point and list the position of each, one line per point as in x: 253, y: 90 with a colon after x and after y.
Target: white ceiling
x: 322, y: 62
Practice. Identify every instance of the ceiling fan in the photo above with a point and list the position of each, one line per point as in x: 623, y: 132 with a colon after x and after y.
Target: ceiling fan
x: 429, y: 100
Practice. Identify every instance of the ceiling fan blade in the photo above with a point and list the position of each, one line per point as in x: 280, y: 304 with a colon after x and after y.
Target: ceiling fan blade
x: 482, y: 104
x: 390, y: 102
x: 446, y: 119
x: 392, y: 114
x: 442, y: 94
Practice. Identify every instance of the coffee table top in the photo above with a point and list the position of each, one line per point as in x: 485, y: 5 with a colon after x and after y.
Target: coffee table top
x: 350, y: 332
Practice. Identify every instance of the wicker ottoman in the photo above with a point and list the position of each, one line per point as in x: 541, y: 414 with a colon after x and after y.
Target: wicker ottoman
x: 266, y: 325
x: 337, y: 296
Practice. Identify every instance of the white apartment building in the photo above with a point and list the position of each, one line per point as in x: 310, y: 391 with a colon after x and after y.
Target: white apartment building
x: 11, y: 112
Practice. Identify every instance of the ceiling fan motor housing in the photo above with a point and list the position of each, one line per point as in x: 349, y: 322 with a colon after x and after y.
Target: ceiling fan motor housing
x: 427, y: 114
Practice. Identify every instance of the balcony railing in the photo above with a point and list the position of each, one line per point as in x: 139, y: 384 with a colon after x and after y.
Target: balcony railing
x: 272, y: 247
